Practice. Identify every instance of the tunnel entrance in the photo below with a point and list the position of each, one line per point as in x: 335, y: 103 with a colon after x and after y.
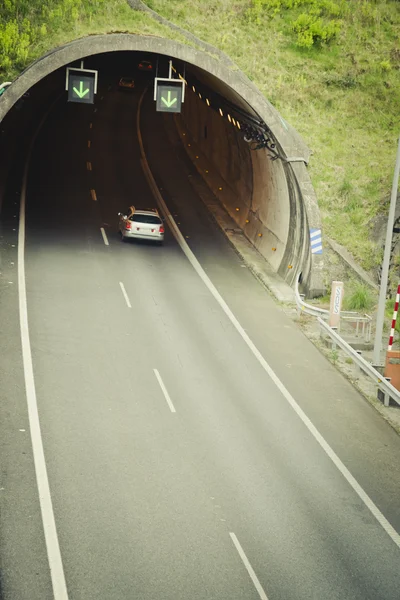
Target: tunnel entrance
x: 264, y: 187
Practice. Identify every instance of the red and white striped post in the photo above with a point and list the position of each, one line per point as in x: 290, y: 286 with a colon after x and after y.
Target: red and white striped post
x: 396, y: 308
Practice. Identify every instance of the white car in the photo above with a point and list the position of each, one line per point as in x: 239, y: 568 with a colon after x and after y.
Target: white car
x: 141, y: 224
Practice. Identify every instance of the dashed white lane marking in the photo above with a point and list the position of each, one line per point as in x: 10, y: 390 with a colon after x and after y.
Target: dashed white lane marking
x: 285, y: 393
x: 164, y: 390
x: 46, y: 506
x: 248, y: 566
x: 88, y: 144
x: 103, y: 233
x: 93, y: 194
x: 125, y: 294
x: 91, y: 125
x: 89, y: 166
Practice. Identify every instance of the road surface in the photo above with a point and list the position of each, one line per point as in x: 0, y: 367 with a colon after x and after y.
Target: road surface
x: 177, y: 468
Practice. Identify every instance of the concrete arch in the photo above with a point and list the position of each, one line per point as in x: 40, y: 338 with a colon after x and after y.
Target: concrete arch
x: 289, y: 176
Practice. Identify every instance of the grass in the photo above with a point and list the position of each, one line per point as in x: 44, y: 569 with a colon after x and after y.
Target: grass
x: 342, y: 96
x: 359, y: 297
x: 26, y: 33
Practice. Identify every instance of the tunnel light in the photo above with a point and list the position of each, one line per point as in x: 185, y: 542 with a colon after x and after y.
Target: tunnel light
x: 220, y: 112
x: 220, y: 189
x: 247, y: 221
x: 200, y: 96
x: 189, y: 145
x: 183, y: 133
x: 237, y: 209
x: 208, y: 102
x: 229, y: 118
x: 233, y: 121
x: 193, y: 88
x: 290, y: 266
x: 206, y: 171
x: 260, y: 235
x: 238, y: 125
x: 197, y: 157
x: 273, y: 249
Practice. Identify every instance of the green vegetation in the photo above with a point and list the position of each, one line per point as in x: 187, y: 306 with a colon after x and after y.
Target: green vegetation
x: 331, y: 67
x: 359, y: 297
x: 30, y: 28
x: 389, y: 314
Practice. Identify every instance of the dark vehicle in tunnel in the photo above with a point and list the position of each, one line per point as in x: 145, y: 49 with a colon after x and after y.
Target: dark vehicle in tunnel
x: 126, y: 83
x: 145, y: 65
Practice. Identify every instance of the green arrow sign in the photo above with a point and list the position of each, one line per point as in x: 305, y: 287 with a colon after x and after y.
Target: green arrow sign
x: 81, y: 85
x: 168, y: 95
x: 81, y: 93
x: 168, y: 103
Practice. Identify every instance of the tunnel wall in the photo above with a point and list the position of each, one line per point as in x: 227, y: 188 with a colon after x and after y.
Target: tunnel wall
x: 253, y: 189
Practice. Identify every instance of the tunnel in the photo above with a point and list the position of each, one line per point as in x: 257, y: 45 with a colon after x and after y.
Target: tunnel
x: 264, y: 187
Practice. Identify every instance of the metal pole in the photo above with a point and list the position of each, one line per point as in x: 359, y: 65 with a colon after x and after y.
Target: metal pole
x: 385, y: 265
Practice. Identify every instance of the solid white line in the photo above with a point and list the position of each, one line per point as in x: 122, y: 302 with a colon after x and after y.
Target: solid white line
x: 46, y: 506
x: 248, y: 566
x: 125, y: 294
x: 286, y: 394
x: 103, y: 233
x: 164, y: 389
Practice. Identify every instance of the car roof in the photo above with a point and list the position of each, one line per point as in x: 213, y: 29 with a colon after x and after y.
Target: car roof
x: 145, y: 211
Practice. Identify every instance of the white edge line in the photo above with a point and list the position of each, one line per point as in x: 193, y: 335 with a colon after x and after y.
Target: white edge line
x: 125, y: 294
x: 46, y: 506
x: 248, y: 566
x: 395, y: 537
x: 103, y: 233
x: 165, y: 392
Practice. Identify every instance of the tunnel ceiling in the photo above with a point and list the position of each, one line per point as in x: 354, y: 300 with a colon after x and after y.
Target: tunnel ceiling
x: 230, y: 83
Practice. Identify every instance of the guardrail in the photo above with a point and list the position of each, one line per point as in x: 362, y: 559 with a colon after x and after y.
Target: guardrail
x: 362, y: 322
x: 388, y: 390
x: 308, y: 308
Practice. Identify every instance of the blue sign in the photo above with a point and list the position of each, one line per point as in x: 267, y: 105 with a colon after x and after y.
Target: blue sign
x: 316, y: 240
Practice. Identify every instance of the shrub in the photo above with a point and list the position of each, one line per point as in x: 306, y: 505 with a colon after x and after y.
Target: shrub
x: 359, y: 297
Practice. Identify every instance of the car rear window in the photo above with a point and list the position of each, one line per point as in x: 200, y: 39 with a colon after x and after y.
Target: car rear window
x: 152, y: 219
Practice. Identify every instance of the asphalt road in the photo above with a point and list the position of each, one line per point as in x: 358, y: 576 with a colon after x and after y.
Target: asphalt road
x: 146, y: 499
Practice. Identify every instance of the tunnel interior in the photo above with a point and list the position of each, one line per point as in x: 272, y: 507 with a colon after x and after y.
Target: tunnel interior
x: 261, y: 194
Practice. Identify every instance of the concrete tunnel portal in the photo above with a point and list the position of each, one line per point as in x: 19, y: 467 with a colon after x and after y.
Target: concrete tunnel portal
x: 267, y: 191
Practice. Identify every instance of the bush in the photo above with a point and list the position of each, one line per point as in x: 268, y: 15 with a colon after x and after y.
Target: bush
x: 312, y: 30
x: 360, y: 297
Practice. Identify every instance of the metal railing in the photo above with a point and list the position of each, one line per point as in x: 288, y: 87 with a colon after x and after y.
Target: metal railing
x: 363, y: 323
x: 388, y: 390
x: 302, y: 306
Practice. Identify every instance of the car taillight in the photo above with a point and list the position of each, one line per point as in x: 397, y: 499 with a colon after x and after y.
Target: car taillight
x: 128, y: 225
x: 161, y: 229
x: 150, y: 67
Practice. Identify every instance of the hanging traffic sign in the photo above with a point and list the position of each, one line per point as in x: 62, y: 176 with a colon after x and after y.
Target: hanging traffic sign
x: 81, y: 85
x: 168, y: 95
